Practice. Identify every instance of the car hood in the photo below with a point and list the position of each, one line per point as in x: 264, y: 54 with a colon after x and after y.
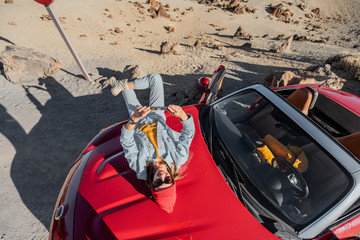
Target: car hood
x: 205, y: 207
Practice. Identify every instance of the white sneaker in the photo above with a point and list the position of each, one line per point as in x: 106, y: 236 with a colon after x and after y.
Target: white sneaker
x: 118, y: 86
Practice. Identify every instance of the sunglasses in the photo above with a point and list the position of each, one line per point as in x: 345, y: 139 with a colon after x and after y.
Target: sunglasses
x: 159, y: 182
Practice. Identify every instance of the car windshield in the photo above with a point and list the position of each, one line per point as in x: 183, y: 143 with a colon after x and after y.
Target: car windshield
x: 282, y: 164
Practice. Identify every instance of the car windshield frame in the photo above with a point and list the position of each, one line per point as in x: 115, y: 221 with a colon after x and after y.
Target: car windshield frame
x: 316, y: 134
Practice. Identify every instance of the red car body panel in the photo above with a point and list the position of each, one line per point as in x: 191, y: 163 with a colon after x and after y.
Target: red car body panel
x: 348, y: 229
x: 206, y: 207
x: 345, y: 99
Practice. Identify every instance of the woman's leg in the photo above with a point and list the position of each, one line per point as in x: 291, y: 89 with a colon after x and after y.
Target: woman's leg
x: 131, y: 100
x: 155, y: 83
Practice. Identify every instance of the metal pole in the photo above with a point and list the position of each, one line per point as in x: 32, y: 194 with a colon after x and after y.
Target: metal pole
x: 72, y: 50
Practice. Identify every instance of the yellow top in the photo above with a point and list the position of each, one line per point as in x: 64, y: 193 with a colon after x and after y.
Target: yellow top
x: 150, y: 131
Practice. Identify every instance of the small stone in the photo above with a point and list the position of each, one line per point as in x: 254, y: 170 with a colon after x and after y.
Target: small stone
x: 116, y: 43
x: 9, y: 1
x: 12, y: 23
x: 62, y: 20
x: 118, y: 30
x: 171, y: 48
x: 46, y: 18
x: 170, y: 28
x: 83, y: 36
x: 240, y: 32
x: 302, y: 6
x: 197, y: 43
x: 280, y: 36
x: 316, y: 11
x: 110, y: 16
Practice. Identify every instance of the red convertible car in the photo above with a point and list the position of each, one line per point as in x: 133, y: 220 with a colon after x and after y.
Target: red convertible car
x: 263, y: 164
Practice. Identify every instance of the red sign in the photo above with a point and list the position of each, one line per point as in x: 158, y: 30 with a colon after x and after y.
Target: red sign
x: 44, y: 2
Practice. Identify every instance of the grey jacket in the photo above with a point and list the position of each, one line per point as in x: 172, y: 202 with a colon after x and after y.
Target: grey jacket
x: 173, y: 146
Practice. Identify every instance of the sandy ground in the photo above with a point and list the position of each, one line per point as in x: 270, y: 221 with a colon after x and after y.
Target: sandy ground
x: 45, y: 125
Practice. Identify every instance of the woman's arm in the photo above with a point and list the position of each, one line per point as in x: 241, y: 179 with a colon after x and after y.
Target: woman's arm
x: 131, y: 150
x: 186, y: 135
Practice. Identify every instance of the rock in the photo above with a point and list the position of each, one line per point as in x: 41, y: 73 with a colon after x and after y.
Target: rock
x: 118, y: 30
x: 302, y: 6
x: 152, y: 11
x: 170, y: 28
x: 46, y: 18
x: 280, y: 36
x: 9, y: 1
x: 198, y: 43
x: 280, y: 12
x: 138, y: 5
x: 153, y: 3
x: 324, y: 70
x: 285, y: 47
x: 322, y: 75
x: 242, y: 10
x: 348, y: 62
x: 171, y: 48
x: 240, y: 33
x: 132, y: 72
x: 300, y: 38
x: 316, y: 11
x: 308, y: 15
x: 158, y: 11
x: 116, y: 43
x: 23, y: 65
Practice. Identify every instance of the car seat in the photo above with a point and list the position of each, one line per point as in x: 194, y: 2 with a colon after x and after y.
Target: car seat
x: 302, y: 99
x: 352, y: 143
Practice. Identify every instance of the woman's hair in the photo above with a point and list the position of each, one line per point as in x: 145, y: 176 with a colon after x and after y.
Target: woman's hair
x: 151, y: 169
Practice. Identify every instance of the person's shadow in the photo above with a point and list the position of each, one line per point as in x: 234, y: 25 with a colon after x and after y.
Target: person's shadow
x: 45, y: 154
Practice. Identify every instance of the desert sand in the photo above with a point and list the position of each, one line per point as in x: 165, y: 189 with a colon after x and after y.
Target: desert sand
x: 45, y: 124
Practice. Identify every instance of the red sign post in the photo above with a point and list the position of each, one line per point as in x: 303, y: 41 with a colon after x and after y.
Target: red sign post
x: 44, y: 2
x: 47, y: 4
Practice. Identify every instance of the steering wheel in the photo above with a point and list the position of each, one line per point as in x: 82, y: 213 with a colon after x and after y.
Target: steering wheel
x: 294, y: 176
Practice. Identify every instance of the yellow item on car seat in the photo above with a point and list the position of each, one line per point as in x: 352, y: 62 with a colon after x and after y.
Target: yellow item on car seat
x: 293, y: 154
x: 265, y: 154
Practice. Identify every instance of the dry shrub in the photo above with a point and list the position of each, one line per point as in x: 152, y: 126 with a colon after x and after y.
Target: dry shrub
x: 347, y: 62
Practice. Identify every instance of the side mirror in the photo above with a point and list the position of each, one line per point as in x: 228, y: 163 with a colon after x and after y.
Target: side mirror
x: 44, y: 2
x: 204, y: 83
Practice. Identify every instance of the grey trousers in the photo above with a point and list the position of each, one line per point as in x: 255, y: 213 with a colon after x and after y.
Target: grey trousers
x: 156, y: 99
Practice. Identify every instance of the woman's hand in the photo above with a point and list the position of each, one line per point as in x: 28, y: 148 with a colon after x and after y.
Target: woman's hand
x: 177, y: 111
x: 140, y: 112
